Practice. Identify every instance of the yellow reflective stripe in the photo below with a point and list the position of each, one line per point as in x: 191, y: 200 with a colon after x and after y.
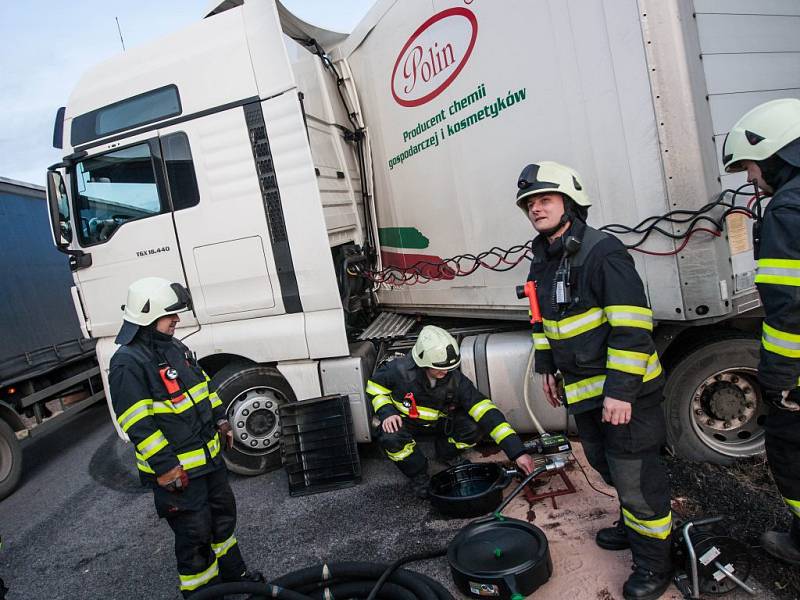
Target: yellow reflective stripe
x: 192, y: 459
x: 585, y: 389
x: 214, y: 445
x: 794, y: 506
x: 374, y: 388
x: 780, y: 342
x: 654, y: 528
x: 501, y: 432
x: 634, y: 363
x: 135, y: 413
x: 572, y: 326
x: 407, y: 450
x: 540, y: 341
x: 222, y: 548
x: 653, y: 367
x: 143, y: 465
x: 780, y: 271
x: 460, y: 445
x: 379, y: 402
x: 152, y: 444
x: 481, y: 408
x: 195, y: 580
x: 183, y: 403
x: 426, y: 414
x: 215, y: 401
x: 624, y: 315
x: 199, y: 391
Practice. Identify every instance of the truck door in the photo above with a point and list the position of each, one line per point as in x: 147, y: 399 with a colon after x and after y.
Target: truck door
x: 124, y: 218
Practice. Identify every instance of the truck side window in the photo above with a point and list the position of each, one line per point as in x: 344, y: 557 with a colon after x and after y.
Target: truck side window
x: 115, y: 188
x: 180, y: 171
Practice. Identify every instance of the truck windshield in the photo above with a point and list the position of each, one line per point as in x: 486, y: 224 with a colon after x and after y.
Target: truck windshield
x: 115, y: 188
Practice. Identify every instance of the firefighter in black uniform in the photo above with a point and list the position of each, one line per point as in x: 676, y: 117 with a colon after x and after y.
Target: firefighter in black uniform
x: 177, y: 424
x: 766, y: 143
x: 424, y: 392
x: 597, y: 334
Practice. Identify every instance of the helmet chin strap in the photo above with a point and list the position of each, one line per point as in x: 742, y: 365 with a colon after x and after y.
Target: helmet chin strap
x: 565, y: 218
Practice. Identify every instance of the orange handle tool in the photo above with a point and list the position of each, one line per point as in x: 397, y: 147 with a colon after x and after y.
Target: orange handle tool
x: 529, y: 290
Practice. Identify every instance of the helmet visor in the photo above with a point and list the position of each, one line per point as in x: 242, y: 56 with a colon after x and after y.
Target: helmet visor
x: 184, y: 299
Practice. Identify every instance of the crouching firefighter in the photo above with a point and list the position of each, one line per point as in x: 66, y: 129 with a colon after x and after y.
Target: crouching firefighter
x: 162, y: 400
x: 766, y: 143
x: 423, y: 392
x: 598, y: 334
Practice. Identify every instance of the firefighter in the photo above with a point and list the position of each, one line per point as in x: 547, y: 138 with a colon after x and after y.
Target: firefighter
x: 424, y: 392
x: 765, y: 142
x: 597, y: 332
x: 177, y: 424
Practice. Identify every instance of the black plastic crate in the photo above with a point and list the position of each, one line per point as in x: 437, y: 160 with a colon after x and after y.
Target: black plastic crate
x: 318, y: 448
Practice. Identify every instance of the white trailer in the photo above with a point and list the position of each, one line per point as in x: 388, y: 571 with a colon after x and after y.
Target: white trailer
x: 266, y: 163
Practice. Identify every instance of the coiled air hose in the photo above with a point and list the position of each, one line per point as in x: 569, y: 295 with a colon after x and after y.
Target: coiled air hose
x: 373, y: 581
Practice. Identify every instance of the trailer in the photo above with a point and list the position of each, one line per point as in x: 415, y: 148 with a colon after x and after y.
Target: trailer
x: 48, y: 369
x: 322, y: 194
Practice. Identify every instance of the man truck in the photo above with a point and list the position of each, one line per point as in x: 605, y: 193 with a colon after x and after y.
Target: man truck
x: 324, y: 195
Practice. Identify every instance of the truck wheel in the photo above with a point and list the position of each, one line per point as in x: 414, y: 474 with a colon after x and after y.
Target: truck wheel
x: 713, y: 403
x: 251, y: 395
x: 10, y: 460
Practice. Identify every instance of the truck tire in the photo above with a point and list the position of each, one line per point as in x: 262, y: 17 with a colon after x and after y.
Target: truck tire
x: 10, y: 460
x: 713, y: 402
x: 251, y: 395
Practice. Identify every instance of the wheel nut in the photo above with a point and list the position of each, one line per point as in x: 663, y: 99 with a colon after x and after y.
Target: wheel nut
x: 268, y: 405
x: 243, y: 436
x: 742, y: 418
x: 277, y: 434
x: 240, y: 424
x: 699, y: 412
x: 256, y: 404
x: 254, y: 443
x: 266, y: 442
x: 735, y: 379
x: 727, y: 424
x: 709, y: 421
x: 748, y: 405
x: 245, y: 412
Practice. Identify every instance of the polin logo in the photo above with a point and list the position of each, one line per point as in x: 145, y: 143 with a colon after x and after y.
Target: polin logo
x: 433, y: 56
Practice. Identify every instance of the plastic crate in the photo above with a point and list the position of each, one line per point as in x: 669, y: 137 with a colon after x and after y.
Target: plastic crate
x: 318, y: 447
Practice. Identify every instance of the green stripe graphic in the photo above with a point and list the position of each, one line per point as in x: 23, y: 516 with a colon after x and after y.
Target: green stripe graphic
x: 402, y: 237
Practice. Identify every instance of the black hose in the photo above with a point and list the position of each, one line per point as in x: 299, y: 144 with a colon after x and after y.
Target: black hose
x: 343, y: 580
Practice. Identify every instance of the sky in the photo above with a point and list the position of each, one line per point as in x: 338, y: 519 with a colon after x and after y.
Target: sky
x: 45, y: 47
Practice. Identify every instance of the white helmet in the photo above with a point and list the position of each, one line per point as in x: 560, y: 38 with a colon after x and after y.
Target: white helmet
x: 149, y: 299
x: 436, y: 349
x: 548, y: 176
x: 761, y: 132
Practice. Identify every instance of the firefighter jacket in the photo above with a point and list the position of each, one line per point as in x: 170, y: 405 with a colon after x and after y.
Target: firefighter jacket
x: 600, y: 338
x: 166, y: 428
x: 393, y: 385
x: 778, y: 282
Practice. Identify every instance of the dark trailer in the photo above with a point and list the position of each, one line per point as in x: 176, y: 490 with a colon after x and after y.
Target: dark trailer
x: 47, y: 365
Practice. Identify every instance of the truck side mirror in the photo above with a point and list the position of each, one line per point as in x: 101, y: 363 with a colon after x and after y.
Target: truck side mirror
x: 58, y: 205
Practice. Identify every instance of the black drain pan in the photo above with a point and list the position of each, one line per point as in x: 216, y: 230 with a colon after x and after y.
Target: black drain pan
x: 469, y: 490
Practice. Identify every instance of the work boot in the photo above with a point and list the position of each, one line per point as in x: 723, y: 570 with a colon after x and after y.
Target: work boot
x: 421, y: 484
x: 613, y: 538
x: 782, y: 545
x: 644, y: 584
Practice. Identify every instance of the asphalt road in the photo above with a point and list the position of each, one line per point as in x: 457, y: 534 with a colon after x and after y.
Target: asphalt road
x: 80, y: 526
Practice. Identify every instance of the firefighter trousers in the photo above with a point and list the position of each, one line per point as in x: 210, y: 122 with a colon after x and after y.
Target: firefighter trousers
x: 782, y: 440
x: 628, y: 458
x: 453, y: 434
x: 203, y: 519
